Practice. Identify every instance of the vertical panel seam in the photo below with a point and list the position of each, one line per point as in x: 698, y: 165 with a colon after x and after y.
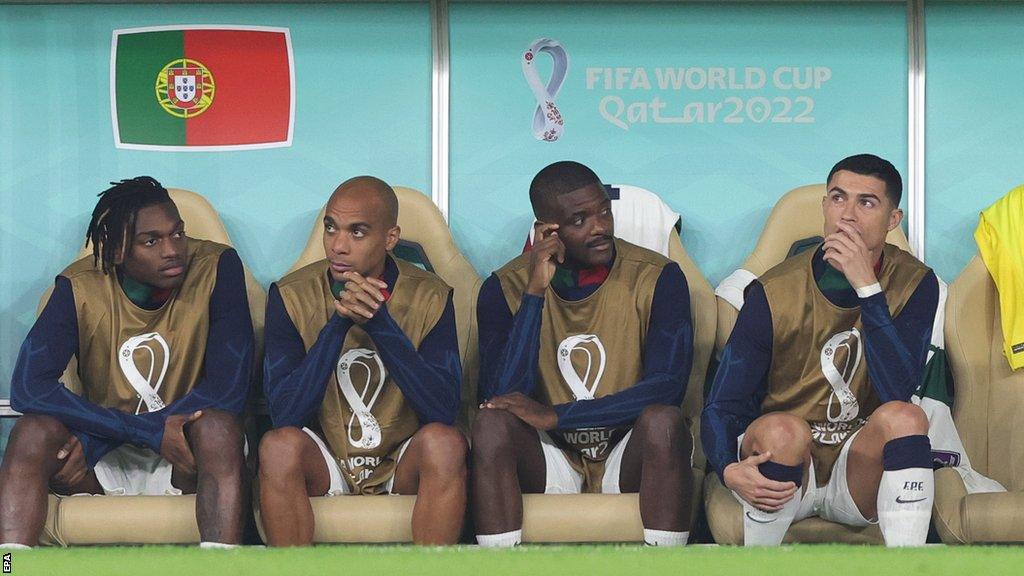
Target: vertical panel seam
x: 439, y: 152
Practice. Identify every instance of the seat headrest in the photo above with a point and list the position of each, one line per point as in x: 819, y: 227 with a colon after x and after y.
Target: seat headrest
x: 797, y: 217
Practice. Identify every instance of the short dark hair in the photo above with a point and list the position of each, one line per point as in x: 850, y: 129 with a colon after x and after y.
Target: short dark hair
x: 557, y: 179
x: 871, y: 165
x: 113, y: 219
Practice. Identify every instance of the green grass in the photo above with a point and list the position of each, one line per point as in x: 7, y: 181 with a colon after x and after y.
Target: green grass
x: 524, y: 561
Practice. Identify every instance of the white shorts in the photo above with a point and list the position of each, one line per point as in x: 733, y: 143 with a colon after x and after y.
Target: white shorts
x: 832, y: 501
x: 338, y: 485
x: 562, y: 478
x: 133, y: 471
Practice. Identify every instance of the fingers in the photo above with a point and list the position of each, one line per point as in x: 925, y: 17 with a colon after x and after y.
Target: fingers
x: 67, y: 447
x: 852, y: 233
x: 499, y: 403
x: 504, y: 401
x: 187, y: 463
x: 342, y: 310
x: 74, y: 468
x: 845, y: 241
x: 364, y: 299
x: 541, y: 231
x: 773, y: 502
x: 758, y: 459
x: 358, y: 284
x: 773, y: 489
x: 357, y: 309
x: 549, y: 247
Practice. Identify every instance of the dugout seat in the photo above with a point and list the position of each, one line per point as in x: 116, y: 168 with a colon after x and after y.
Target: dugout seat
x: 553, y: 518
x: 796, y: 220
x: 144, y: 519
x: 989, y: 414
x: 425, y: 241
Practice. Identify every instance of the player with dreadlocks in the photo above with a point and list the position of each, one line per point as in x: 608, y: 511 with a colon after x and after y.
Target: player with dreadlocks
x: 160, y: 326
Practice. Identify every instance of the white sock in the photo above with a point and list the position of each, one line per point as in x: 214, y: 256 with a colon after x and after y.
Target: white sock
x: 215, y: 545
x: 14, y: 546
x: 762, y: 528
x: 665, y: 538
x: 503, y: 540
x: 904, y: 504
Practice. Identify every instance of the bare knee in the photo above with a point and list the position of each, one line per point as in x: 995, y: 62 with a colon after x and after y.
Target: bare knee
x: 443, y: 450
x: 897, y: 419
x: 492, y: 434
x: 786, y: 436
x: 662, y: 430
x: 216, y: 440
x: 281, y: 453
x: 34, y: 439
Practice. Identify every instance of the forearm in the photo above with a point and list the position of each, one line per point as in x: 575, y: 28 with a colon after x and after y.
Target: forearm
x: 895, y: 350
x: 620, y: 408
x: 295, y: 387
x: 432, y: 388
x: 509, y: 345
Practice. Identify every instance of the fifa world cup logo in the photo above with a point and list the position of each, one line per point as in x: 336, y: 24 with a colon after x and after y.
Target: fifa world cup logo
x: 548, y: 124
x: 362, y: 364
x: 840, y: 359
x: 586, y: 352
x: 152, y: 350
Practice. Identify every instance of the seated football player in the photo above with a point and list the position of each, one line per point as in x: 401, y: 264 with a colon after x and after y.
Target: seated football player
x: 585, y: 349
x: 161, y: 328
x: 363, y: 378
x: 810, y: 411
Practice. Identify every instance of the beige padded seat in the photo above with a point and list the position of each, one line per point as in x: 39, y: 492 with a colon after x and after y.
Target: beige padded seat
x: 144, y: 519
x: 989, y: 414
x: 795, y: 217
x: 379, y: 519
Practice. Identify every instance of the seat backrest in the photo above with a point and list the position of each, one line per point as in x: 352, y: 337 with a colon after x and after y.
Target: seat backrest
x: 203, y: 222
x: 703, y: 314
x: 424, y: 227
x: 796, y: 216
x: 988, y: 406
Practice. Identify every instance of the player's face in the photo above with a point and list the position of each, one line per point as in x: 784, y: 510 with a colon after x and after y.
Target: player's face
x: 585, y: 225
x: 157, y: 254
x: 860, y: 201
x: 357, y: 234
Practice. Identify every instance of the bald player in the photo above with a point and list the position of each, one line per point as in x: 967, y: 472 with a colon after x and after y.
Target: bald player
x: 585, y: 350
x: 363, y: 378
x: 160, y: 325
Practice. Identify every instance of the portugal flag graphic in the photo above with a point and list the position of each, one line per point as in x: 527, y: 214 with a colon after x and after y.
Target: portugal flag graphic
x: 202, y: 88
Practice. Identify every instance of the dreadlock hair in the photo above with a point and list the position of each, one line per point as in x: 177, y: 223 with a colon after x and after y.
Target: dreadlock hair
x: 113, y: 219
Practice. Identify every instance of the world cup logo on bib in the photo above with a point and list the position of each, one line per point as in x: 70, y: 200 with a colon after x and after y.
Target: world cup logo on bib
x: 840, y: 359
x: 361, y: 365
x: 151, y: 350
x: 581, y: 361
x: 548, y: 124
